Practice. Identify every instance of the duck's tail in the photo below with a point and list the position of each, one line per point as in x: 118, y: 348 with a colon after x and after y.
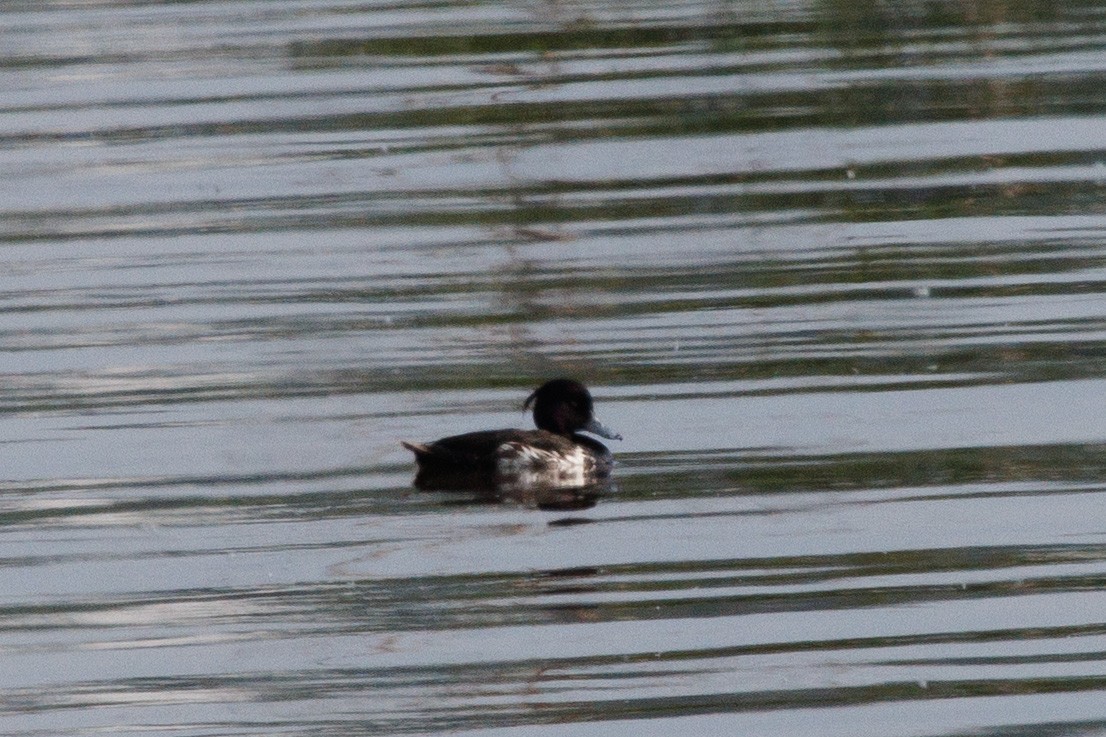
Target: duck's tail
x: 420, y: 450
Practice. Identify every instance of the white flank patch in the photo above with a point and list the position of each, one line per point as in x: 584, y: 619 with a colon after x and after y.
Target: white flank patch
x: 527, y: 464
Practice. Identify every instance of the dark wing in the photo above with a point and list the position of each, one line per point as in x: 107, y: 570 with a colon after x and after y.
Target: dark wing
x: 473, y: 452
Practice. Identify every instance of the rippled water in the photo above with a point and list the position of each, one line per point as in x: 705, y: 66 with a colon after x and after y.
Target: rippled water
x: 834, y: 270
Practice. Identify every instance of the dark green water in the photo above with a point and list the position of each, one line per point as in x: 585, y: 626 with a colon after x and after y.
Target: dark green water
x: 835, y: 271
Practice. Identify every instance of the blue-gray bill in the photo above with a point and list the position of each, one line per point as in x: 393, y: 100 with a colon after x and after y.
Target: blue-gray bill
x: 597, y: 428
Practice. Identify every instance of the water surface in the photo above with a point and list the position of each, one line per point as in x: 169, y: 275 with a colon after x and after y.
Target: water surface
x: 833, y: 270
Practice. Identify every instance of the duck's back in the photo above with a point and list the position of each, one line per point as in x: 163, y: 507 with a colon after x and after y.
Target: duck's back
x: 509, y: 452
x: 473, y: 452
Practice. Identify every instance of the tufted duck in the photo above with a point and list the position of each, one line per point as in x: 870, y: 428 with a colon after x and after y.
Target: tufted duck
x: 555, y: 454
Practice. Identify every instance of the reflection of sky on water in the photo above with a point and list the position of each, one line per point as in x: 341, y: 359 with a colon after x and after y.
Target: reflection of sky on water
x: 833, y: 273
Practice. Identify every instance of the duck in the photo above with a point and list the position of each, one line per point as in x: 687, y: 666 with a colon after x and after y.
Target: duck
x: 556, y: 454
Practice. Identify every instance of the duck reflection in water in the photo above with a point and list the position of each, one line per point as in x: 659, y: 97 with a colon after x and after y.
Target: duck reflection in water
x: 553, y: 462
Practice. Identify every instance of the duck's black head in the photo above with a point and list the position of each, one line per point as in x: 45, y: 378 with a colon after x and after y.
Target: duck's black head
x: 564, y: 406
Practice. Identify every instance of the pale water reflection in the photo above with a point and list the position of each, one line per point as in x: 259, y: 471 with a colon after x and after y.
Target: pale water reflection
x: 834, y: 270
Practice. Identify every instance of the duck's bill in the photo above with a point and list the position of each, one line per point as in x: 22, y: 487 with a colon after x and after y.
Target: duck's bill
x: 597, y: 428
